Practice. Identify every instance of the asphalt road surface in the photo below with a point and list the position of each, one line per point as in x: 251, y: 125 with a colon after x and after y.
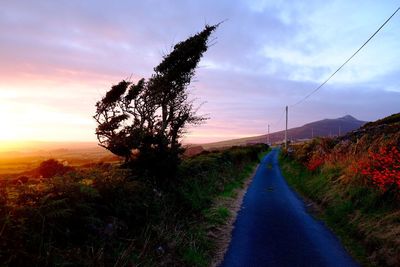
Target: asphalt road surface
x: 273, y: 227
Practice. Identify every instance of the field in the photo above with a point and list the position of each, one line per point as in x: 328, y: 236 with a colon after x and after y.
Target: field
x: 22, y: 160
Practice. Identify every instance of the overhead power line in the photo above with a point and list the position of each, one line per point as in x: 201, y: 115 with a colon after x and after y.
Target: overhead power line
x: 322, y: 84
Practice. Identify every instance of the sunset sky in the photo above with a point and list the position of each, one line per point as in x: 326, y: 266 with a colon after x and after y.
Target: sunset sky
x: 57, y: 58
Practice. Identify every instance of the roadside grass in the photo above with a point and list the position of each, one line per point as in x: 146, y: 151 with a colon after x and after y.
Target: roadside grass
x: 196, y: 252
x: 354, y: 180
x: 218, y: 213
x: 366, y: 221
x: 338, y: 207
x: 195, y: 257
x: 230, y: 188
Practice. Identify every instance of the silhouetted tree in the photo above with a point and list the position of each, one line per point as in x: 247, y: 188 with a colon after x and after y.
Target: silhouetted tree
x: 143, y: 122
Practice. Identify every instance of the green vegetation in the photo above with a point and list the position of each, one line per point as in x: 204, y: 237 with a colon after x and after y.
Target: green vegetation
x: 104, y: 216
x: 318, y: 187
x: 356, y: 183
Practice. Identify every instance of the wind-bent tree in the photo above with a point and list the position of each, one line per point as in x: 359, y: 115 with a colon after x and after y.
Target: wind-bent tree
x: 143, y: 122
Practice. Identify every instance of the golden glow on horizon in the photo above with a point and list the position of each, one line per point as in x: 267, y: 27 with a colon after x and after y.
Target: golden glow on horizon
x: 36, y: 121
x: 12, y: 145
x: 26, y: 118
x: 9, y: 128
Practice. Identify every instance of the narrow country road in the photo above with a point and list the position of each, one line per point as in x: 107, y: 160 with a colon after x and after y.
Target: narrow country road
x: 273, y: 227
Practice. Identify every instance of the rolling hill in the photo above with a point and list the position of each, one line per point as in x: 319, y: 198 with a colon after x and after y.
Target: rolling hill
x: 322, y: 128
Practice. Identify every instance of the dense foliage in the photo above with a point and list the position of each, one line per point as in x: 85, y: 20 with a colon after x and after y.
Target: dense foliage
x: 382, y: 168
x: 375, y: 165
x: 102, y: 216
x: 143, y: 122
x: 51, y: 167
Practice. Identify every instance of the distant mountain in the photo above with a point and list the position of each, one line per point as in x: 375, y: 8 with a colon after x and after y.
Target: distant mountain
x: 322, y: 128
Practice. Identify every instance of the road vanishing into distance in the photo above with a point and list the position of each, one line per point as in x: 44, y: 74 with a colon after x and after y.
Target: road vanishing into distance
x: 273, y: 227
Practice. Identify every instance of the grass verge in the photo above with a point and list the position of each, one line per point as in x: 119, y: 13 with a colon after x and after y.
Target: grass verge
x: 362, y: 219
x: 217, y: 218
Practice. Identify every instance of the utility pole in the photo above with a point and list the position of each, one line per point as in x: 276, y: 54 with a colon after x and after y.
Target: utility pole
x: 268, y: 135
x: 286, y: 127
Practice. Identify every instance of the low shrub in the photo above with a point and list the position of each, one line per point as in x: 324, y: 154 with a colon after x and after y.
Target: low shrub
x: 50, y: 168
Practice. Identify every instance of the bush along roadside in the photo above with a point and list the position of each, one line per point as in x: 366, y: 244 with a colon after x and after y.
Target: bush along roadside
x: 105, y: 216
x: 356, y: 186
x: 221, y: 215
x: 200, y: 206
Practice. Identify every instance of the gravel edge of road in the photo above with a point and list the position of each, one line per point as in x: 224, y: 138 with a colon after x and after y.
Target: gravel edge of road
x: 223, y: 234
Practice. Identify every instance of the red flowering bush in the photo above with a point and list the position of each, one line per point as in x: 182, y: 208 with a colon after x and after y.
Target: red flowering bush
x: 315, y: 162
x: 382, y: 168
